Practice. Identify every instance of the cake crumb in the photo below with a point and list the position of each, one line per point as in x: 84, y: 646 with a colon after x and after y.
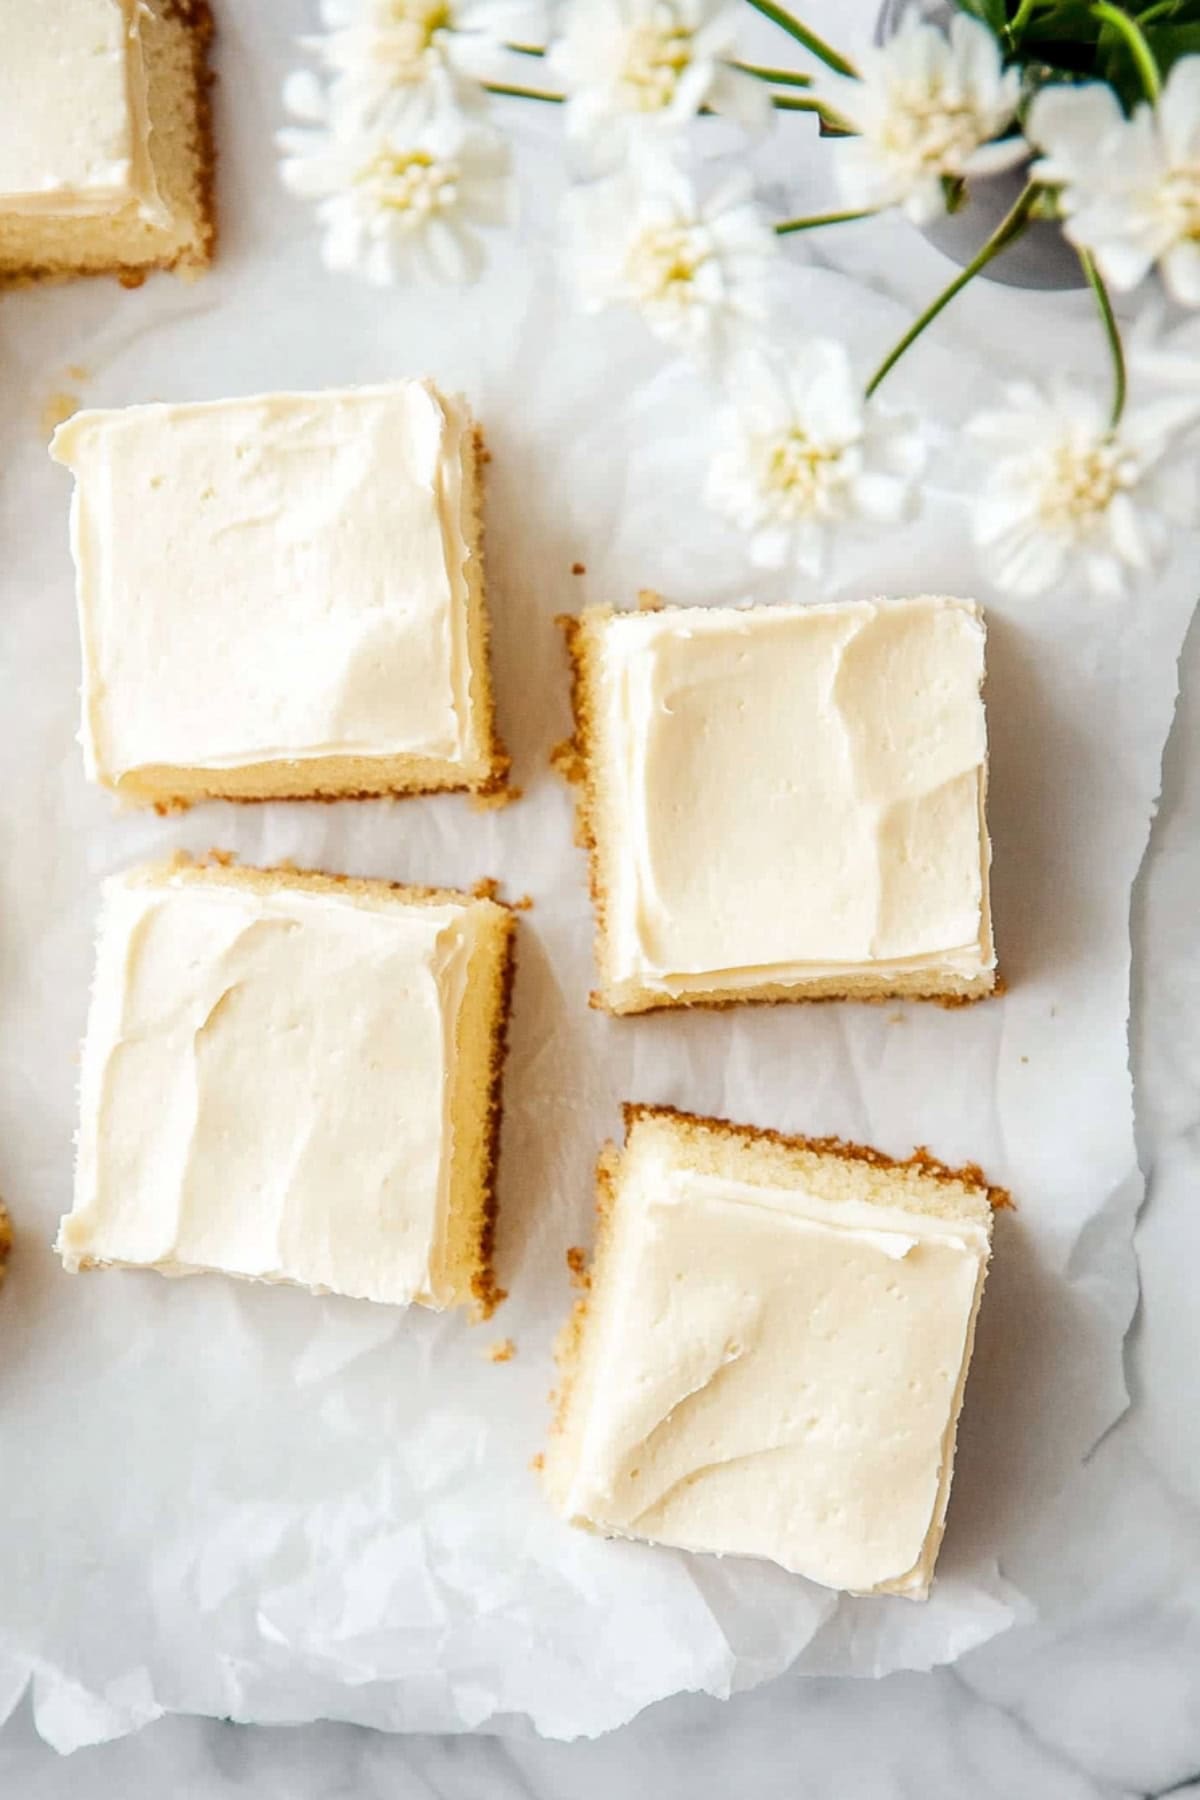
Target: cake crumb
x: 77, y: 372
x: 577, y: 1260
x: 524, y: 904
x: 487, y: 1295
x: 225, y: 859
x: 58, y: 408
x: 895, y: 1018
x: 566, y: 761
x: 487, y: 889
x: 579, y: 568
x: 537, y: 1463
x: 650, y: 600
x: 502, y: 1351
x: 1024, y: 1059
x: 495, y: 799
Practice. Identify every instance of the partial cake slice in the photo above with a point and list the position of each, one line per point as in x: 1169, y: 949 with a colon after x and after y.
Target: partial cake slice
x: 293, y: 1077
x: 282, y: 596
x: 772, y: 1355
x: 785, y: 802
x: 106, y: 155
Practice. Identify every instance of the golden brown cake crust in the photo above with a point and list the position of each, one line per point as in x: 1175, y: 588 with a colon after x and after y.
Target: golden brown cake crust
x: 195, y: 16
x: 969, y: 1175
x: 575, y: 762
x: 487, y: 1292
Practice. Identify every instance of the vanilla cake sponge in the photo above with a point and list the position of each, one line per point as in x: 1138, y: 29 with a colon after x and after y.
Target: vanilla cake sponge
x: 785, y: 802
x: 293, y: 1077
x: 106, y: 154
x: 771, y: 1356
x: 282, y: 596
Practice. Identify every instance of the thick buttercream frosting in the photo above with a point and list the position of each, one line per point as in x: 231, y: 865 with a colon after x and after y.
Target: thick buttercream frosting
x: 794, y: 792
x: 265, y: 1087
x: 279, y: 577
x: 777, y: 1374
x: 75, y: 125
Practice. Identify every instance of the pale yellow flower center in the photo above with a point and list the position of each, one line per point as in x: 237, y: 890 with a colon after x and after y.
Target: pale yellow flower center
x: 1178, y: 199
x: 933, y: 128
x: 1082, y: 484
x: 655, y: 58
x: 800, y: 473
x: 663, y: 262
x: 411, y: 184
x: 409, y: 28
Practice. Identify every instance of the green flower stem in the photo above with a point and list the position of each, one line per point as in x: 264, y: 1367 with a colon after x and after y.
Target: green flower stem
x: 802, y: 104
x: 812, y: 43
x: 1011, y: 226
x: 811, y: 224
x: 1018, y: 22
x: 1112, y: 332
x: 780, y: 77
x: 526, y: 49
x: 523, y: 93
x: 1139, y: 49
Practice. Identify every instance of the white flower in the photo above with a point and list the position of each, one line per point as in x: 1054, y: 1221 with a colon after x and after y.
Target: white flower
x: 1066, y: 490
x: 396, y: 204
x: 1130, y: 187
x: 925, y: 106
x: 634, y: 67
x: 805, y: 454
x: 1166, y: 358
x: 402, y: 62
x: 698, y: 271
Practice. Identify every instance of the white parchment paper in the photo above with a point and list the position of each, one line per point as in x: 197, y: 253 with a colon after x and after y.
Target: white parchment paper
x: 248, y: 1502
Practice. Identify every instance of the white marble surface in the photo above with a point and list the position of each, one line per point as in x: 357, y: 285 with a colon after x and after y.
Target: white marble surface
x: 1100, y: 1696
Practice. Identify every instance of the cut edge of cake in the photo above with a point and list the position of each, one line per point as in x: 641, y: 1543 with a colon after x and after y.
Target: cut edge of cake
x: 481, y: 1044
x: 597, y: 828
x: 176, y: 39
x: 171, y: 788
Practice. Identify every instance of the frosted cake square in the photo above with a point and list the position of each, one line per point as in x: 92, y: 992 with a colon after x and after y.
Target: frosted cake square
x: 282, y: 596
x: 785, y: 803
x: 293, y: 1077
x: 772, y: 1354
x: 106, y: 156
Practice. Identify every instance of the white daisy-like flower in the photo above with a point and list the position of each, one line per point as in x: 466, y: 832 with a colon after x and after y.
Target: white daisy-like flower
x: 1130, y: 187
x: 631, y: 68
x: 396, y: 204
x: 804, y: 454
x: 402, y: 62
x: 698, y: 271
x: 1068, y: 491
x: 926, y: 106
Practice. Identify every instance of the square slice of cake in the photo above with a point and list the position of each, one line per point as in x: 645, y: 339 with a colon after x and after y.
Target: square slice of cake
x: 771, y: 1357
x: 785, y: 802
x: 293, y: 1077
x: 282, y: 596
x: 106, y: 156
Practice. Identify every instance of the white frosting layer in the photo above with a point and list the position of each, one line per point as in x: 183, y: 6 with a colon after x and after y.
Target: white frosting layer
x: 74, y: 125
x: 280, y: 577
x: 265, y: 1087
x: 794, y: 793
x: 776, y: 1375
